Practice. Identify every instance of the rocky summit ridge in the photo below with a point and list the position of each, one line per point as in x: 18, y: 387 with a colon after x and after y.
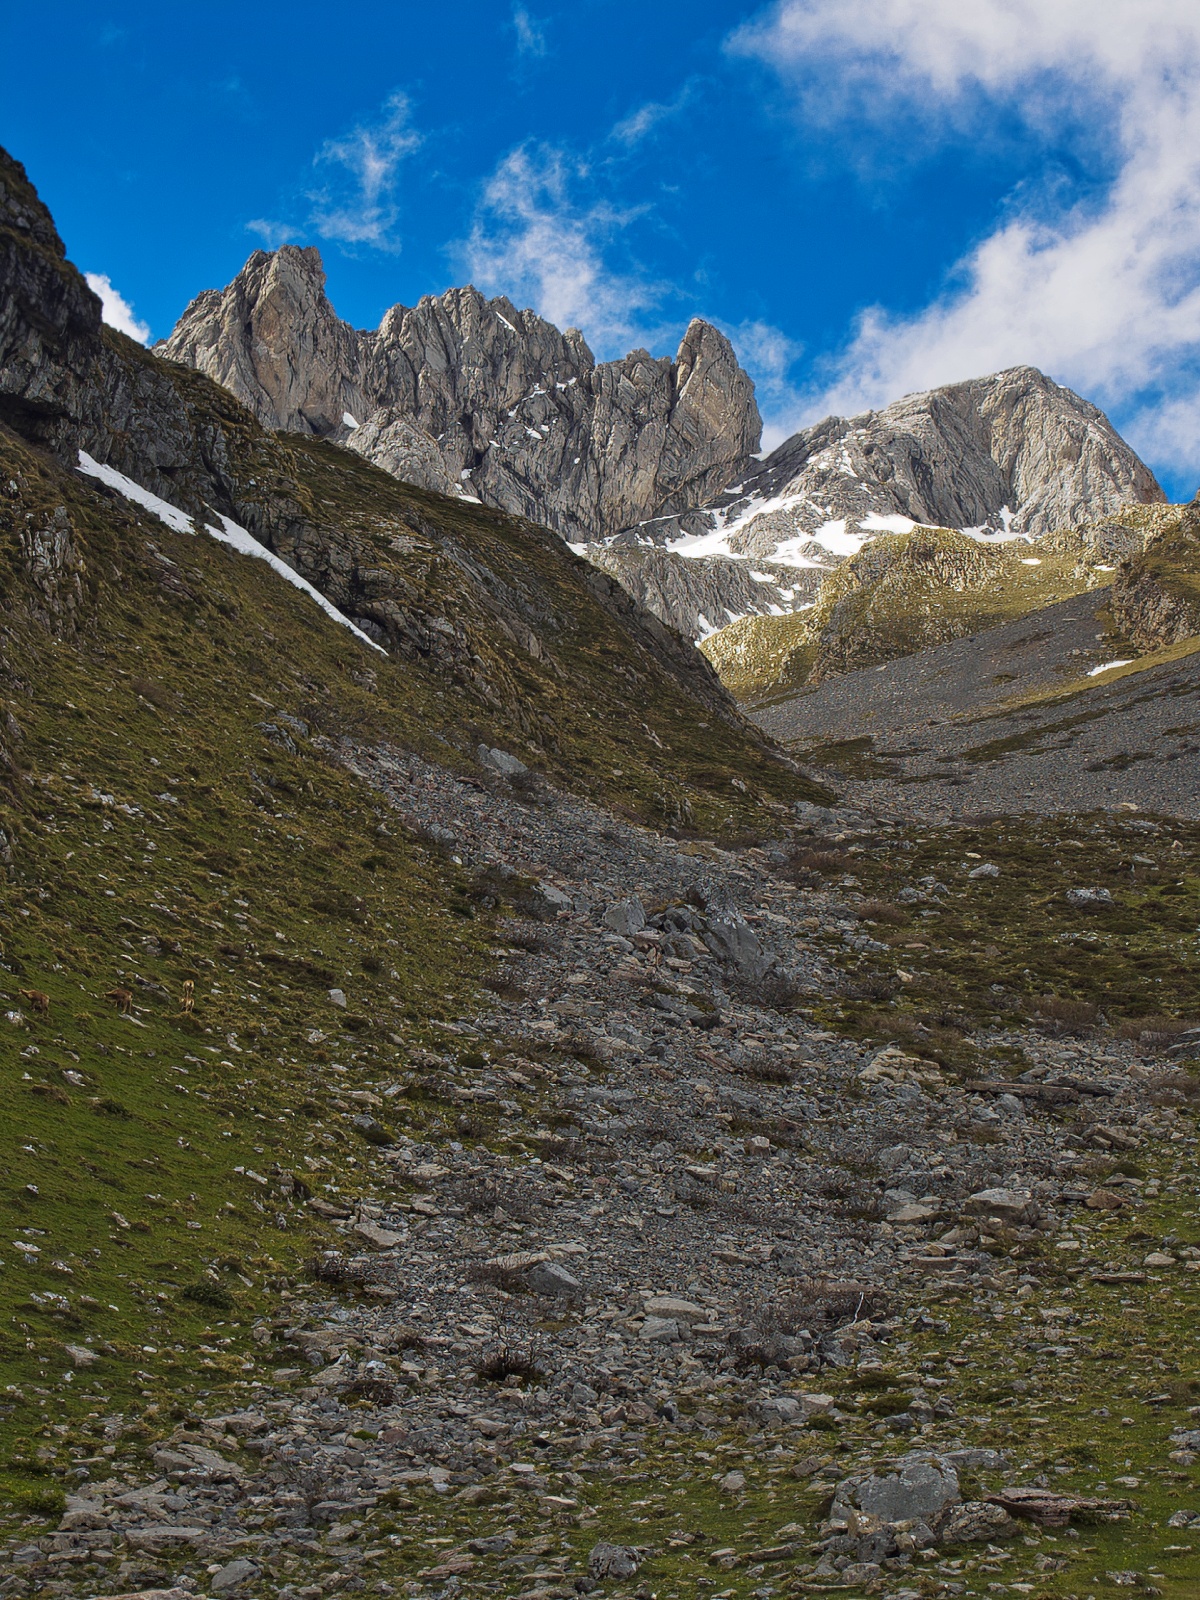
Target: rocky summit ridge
x: 649, y: 465
x: 471, y: 396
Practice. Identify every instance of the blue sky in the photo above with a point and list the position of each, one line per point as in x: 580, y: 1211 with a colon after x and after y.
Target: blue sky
x: 869, y: 196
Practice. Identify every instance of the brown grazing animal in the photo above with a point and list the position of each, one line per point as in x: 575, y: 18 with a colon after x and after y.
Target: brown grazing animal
x: 38, y: 1001
x: 188, y: 998
x: 122, y: 999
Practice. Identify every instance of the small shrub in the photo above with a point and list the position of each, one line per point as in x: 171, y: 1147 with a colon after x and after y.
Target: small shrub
x: 511, y: 1361
x: 1065, y: 1016
x: 766, y: 1069
x: 48, y: 1502
x: 208, y: 1294
x: 339, y: 1271
x: 881, y: 911
x: 50, y: 1091
x: 370, y: 1391
x: 1155, y: 1032
x: 107, y: 1107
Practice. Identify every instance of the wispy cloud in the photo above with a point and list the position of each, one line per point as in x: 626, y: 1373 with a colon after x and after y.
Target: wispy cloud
x: 358, y: 204
x: 531, y: 35
x: 272, y: 234
x: 115, y: 309
x: 770, y: 357
x: 631, y: 130
x: 536, y: 240
x: 1101, y: 289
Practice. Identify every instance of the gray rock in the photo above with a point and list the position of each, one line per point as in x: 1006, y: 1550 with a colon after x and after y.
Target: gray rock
x: 922, y: 1488
x: 782, y: 1408
x: 974, y: 1522
x: 1089, y: 899
x: 736, y: 942
x: 554, y: 1281
x: 613, y: 1560
x: 232, y: 1576
x: 1010, y: 1205
x: 659, y: 1330
x: 625, y: 917
x: 987, y: 870
x: 338, y: 997
x: 499, y: 761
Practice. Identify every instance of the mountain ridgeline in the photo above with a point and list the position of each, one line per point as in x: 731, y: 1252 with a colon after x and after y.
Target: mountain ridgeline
x: 649, y: 465
x: 468, y: 395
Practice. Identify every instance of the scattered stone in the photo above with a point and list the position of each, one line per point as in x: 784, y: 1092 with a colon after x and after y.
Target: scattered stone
x: 618, y: 1561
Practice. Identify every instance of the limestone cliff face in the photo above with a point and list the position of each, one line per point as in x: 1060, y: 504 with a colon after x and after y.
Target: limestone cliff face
x: 472, y: 397
x: 1014, y: 452
x: 464, y: 392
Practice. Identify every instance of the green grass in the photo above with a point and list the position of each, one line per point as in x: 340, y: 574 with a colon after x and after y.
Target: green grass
x: 997, y: 945
x: 159, y: 836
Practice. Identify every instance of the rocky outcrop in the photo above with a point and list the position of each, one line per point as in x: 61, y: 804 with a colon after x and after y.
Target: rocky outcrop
x: 471, y: 393
x: 700, y: 596
x: 1156, y: 594
x: 1014, y: 453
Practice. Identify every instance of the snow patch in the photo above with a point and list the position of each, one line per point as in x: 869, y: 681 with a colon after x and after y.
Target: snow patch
x: 351, y: 422
x: 875, y: 522
x: 1031, y: 561
x: 229, y: 533
x: 1108, y: 666
x: 178, y: 521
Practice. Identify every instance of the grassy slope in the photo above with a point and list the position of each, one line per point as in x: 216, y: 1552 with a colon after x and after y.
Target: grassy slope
x: 159, y: 835
x: 901, y: 593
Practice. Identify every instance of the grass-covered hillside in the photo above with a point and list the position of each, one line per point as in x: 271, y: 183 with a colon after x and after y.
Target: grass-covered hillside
x: 187, y: 873
x: 169, y: 817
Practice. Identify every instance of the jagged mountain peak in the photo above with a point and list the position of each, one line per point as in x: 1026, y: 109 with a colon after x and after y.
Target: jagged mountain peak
x: 470, y: 394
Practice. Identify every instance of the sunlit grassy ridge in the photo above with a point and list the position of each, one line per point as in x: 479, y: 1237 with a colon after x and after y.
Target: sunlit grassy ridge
x: 906, y: 592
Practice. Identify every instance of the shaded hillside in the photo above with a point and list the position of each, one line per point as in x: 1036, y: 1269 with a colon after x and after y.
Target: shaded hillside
x: 510, y: 636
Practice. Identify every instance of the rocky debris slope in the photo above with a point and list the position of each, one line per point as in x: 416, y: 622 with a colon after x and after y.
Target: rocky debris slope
x: 469, y: 393
x: 1053, y: 712
x: 664, y: 1268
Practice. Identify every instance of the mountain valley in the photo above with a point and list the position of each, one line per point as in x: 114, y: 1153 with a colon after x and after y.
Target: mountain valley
x: 607, y: 1137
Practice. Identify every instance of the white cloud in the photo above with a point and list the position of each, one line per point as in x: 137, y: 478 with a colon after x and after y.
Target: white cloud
x: 1104, y: 293
x: 358, y: 205
x: 769, y: 356
x: 272, y: 234
x: 631, y: 130
x: 531, y: 39
x: 535, y: 242
x: 115, y: 309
